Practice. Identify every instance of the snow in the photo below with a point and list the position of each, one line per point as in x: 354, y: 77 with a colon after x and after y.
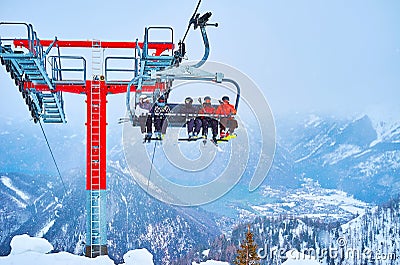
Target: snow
x: 342, y: 152
x: 62, y: 258
x: 371, y: 166
x: 35, y: 251
x: 138, y: 257
x: 356, y: 221
x: 386, y: 131
x: 313, y: 121
x: 20, y: 204
x: 48, y: 206
x: 45, y: 229
x: 375, y: 142
x: 32, y: 250
x: 311, y: 153
x: 24, y: 243
x: 124, y: 199
x: 311, y: 201
x: 362, y: 153
x: 352, y: 209
x: 289, y: 204
x: 206, y: 252
x: 8, y: 183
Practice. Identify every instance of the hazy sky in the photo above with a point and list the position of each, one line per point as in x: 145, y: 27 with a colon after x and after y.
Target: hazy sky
x: 340, y: 56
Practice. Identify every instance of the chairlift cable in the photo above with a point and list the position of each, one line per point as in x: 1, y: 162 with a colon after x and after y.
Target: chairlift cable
x: 151, y: 166
x: 190, y: 22
x: 52, y: 155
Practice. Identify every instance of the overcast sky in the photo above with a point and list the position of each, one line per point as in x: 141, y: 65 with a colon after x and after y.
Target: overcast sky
x: 340, y: 57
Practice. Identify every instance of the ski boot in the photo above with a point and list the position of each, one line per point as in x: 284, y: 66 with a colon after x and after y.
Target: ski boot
x: 158, y: 135
x: 147, y: 137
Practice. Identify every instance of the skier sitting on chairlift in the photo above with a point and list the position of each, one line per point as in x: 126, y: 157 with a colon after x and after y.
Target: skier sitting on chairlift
x: 208, y: 121
x: 227, y: 123
x: 142, y: 111
x: 193, y: 124
x: 160, y: 120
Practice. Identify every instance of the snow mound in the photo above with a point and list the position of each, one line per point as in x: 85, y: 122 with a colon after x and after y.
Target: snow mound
x: 138, y: 257
x: 24, y: 243
x: 34, y: 251
x: 62, y: 258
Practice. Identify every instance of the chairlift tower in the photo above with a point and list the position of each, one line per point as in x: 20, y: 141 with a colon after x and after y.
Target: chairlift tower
x: 37, y: 68
x: 39, y: 77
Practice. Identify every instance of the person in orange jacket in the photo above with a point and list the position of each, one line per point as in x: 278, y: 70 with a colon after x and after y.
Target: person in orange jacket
x: 207, y: 121
x: 226, y: 110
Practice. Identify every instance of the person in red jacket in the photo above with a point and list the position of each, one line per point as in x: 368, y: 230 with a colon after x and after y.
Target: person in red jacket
x: 207, y: 121
x: 226, y: 110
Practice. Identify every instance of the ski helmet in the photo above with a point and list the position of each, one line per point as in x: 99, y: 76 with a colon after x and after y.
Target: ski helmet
x: 225, y: 98
x: 188, y: 100
x: 161, y: 101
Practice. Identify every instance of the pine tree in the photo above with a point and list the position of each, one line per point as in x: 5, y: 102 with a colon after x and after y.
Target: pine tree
x: 247, y: 253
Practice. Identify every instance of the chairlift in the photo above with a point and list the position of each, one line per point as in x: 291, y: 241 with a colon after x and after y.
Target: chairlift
x: 156, y: 72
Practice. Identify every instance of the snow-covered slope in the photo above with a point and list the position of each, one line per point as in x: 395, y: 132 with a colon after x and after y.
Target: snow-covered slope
x: 339, y: 153
x: 323, y: 167
x: 135, y: 220
x: 370, y: 237
x: 36, y: 203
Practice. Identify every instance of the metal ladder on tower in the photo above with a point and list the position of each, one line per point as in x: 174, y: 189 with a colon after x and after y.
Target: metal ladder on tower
x: 95, y: 194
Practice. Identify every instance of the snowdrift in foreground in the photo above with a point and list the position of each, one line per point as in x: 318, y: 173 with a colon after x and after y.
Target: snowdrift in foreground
x: 35, y: 251
x: 24, y: 243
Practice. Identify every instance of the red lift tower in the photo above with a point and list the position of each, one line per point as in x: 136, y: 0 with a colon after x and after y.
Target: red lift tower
x: 27, y: 61
x: 38, y: 70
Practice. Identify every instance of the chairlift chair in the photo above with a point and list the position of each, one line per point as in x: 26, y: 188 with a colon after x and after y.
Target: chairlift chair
x: 156, y: 73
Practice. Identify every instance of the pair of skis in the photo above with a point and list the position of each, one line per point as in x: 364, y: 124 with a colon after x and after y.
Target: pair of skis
x: 149, y: 139
x: 204, y: 140
x: 192, y: 139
